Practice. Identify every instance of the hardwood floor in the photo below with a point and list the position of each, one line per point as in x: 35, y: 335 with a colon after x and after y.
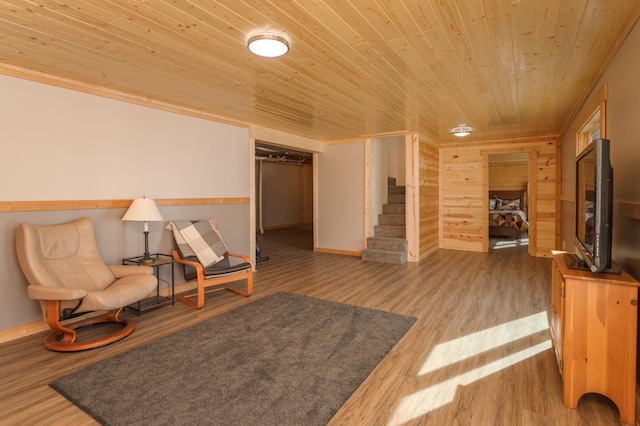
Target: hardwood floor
x: 479, y: 353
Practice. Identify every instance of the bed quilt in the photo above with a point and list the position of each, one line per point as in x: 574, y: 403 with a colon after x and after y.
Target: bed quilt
x: 509, y: 219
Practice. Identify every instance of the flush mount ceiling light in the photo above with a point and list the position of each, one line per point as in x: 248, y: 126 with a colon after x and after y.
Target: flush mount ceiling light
x: 461, y: 130
x: 268, y: 45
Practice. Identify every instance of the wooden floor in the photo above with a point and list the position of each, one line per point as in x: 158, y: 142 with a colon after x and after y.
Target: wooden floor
x: 479, y: 353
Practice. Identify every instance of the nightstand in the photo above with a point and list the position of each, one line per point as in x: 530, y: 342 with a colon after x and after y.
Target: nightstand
x: 161, y: 260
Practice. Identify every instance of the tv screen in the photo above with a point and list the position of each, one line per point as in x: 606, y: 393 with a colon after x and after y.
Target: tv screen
x: 594, y: 201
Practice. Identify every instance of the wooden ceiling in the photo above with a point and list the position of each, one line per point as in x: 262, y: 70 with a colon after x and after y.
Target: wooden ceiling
x: 507, y: 68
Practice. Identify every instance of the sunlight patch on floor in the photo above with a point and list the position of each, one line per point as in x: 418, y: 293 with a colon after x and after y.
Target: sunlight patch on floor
x: 476, y: 343
x: 503, y: 244
x: 426, y: 400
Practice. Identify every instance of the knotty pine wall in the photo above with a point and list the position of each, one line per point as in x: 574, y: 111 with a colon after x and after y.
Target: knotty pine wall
x: 506, y: 172
x: 464, y: 193
x: 429, y: 202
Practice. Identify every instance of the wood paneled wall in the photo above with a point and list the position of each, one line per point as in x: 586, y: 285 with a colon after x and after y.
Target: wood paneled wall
x: 464, y: 191
x: 507, y: 171
x: 429, y: 183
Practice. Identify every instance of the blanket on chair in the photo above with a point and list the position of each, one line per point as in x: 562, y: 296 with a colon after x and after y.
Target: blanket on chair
x: 200, y: 239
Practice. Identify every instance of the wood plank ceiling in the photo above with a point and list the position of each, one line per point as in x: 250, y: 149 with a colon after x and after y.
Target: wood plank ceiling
x: 507, y: 68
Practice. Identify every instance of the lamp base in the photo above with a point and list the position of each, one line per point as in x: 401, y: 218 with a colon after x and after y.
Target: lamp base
x: 147, y: 260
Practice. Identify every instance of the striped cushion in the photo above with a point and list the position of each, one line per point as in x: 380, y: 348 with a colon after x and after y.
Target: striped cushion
x: 199, y: 239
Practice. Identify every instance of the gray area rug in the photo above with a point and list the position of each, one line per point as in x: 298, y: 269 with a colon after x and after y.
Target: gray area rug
x: 282, y: 360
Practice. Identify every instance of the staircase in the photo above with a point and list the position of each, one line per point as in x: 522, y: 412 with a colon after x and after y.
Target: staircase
x: 389, y: 244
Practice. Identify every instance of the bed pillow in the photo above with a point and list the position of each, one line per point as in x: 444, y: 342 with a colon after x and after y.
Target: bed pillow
x: 513, y: 204
x: 493, y: 203
x: 588, y: 206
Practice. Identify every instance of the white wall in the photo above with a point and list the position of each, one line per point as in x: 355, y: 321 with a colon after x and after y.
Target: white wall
x: 58, y: 144
x: 340, y: 189
x: 388, y: 160
x: 286, y: 193
x: 396, y: 159
x: 379, y: 173
x: 623, y: 129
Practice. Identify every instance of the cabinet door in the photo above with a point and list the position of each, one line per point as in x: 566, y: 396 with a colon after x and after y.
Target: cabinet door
x: 557, y: 313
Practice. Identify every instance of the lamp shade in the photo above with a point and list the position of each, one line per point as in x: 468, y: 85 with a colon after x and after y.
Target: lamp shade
x: 143, y: 210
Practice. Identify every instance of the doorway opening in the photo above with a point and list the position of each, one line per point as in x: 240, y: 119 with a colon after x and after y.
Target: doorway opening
x: 284, y: 197
x: 509, y: 196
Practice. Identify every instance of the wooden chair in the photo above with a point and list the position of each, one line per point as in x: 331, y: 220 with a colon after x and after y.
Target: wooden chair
x: 230, y: 268
x: 69, y: 278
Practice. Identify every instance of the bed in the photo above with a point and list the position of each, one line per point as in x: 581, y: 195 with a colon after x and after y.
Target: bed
x: 508, y: 213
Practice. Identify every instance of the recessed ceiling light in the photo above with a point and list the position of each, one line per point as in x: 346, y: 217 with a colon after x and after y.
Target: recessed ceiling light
x: 268, y: 45
x: 461, y: 130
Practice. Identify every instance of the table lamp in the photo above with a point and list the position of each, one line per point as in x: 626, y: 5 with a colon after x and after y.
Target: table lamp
x: 144, y: 210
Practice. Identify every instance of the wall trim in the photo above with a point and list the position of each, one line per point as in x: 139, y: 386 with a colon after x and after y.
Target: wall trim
x: 362, y: 138
x: 412, y: 195
x: 335, y: 251
x: 624, y: 208
x: 428, y: 253
x: 23, y: 330
x: 627, y: 208
x: 515, y: 142
x: 53, y: 205
x: 35, y: 327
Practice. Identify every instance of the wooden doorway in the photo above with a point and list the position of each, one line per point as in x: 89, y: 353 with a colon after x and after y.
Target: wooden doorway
x: 509, y: 186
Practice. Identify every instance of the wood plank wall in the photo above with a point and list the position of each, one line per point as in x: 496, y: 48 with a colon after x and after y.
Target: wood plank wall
x: 429, y: 184
x: 506, y: 173
x: 464, y: 192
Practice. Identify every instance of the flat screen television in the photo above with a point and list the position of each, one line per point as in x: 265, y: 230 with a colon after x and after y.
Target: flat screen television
x: 594, y: 208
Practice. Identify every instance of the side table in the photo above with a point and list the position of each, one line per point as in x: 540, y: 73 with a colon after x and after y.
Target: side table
x: 157, y: 300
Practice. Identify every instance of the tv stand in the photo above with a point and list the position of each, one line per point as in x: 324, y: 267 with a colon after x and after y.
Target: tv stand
x: 573, y: 261
x: 593, y: 329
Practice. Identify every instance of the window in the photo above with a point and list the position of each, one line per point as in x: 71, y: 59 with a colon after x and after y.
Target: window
x: 592, y: 121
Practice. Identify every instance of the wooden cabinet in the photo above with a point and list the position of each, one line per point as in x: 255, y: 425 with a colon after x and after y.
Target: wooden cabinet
x: 557, y: 314
x: 593, y: 328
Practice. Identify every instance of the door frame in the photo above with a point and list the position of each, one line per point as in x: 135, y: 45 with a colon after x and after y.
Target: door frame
x: 533, y: 196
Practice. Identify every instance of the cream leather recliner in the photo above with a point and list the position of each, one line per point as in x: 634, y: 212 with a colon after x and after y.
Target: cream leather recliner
x: 68, y: 277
